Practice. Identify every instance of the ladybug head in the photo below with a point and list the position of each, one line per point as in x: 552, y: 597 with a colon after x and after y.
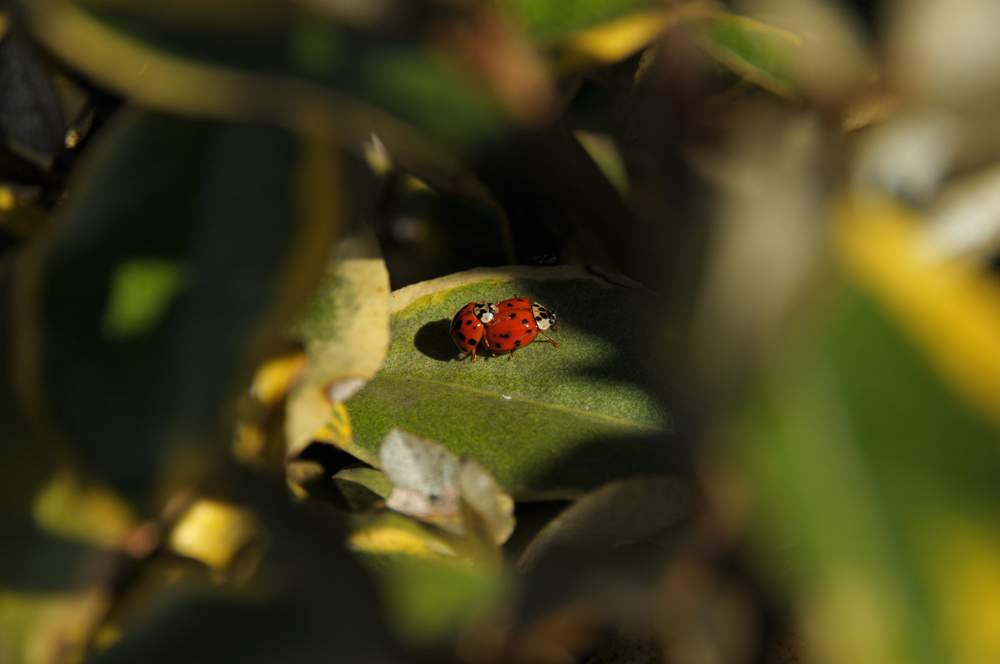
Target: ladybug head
x: 544, y: 318
x: 485, y: 311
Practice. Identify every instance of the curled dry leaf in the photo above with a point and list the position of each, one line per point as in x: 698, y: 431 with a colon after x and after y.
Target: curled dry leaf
x: 488, y: 512
x: 346, y: 334
x: 431, y: 484
x: 423, y: 476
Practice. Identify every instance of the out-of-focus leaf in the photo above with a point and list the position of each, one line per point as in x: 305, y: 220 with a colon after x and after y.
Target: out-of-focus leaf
x: 549, y: 19
x: 910, y: 154
x: 870, y: 446
x: 431, y: 585
x: 140, y: 293
x: 32, y: 560
x: 487, y: 512
x: 309, y: 600
x: 250, y: 212
x: 965, y: 216
x: 549, y: 408
x: 951, y: 308
x: 88, y: 514
x: 48, y: 627
x: 276, y: 377
x: 345, y: 330
x: 942, y: 51
x: 617, y: 514
x: 213, y: 532
x: 430, y: 599
x: 615, y: 40
x: 824, y: 28
x: 391, y: 534
x: 296, y: 69
x: 30, y: 115
x: 362, y: 487
x: 413, y: 85
x: 605, y: 153
x: 760, y: 53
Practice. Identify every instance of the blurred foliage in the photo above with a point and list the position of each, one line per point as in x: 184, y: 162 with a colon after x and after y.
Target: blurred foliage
x: 233, y: 423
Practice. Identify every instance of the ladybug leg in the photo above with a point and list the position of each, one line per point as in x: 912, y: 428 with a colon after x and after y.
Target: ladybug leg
x: 549, y: 338
x: 511, y: 356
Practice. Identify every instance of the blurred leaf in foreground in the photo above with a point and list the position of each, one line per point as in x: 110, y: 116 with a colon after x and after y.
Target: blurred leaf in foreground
x: 435, y: 586
x: 308, y: 600
x: 249, y: 211
x: 870, y: 443
x: 345, y: 329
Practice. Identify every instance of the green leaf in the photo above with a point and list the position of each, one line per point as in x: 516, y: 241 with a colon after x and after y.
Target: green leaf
x: 614, y: 515
x: 758, y: 52
x: 273, y: 63
x: 430, y: 599
x: 552, y: 420
x: 249, y: 211
x: 876, y: 494
x: 433, y: 584
x: 549, y: 19
x: 141, y: 290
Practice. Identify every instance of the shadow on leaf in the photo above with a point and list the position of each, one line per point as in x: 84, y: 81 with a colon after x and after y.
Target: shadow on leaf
x: 434, y: 341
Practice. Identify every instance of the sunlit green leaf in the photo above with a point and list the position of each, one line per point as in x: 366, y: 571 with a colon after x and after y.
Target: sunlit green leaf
x: 141, y: 291
x: 552, y: 419
x: 549, y: 18
x: 758, y: 52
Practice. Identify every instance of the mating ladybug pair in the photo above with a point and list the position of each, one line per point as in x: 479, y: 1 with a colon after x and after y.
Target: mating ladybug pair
x: 503, y: 327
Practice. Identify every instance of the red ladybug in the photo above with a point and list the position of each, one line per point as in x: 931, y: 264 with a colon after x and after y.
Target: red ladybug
x: 516, y: 325
x: 467, y: 325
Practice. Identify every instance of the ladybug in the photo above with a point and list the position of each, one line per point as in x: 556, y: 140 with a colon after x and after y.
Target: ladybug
x: 514, y: 303
x: 516, y: 325
x: 467, y: 325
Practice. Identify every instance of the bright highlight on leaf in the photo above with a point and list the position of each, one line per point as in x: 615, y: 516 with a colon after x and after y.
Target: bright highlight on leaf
x: 141, y: 290
x: 213, y: 532
x: 70, y: 509
x: 760, y: 53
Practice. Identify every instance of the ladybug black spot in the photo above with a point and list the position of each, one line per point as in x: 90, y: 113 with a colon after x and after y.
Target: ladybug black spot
x: 468, y: 322
x: 512, y: 316
x: 460, y: 336
x: 458, y: 324
x: 538, y: 319
x: 517, y: 342
x: 505, y: 336
x: 509, y: 304
x: 471, y: 342
x: 524, y: 320
x: 499, y: 345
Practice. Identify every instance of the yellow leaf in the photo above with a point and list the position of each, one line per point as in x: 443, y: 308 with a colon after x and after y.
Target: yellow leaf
x: 275, y: 378
x: 91, y: 514
x: 386, y: 539
x: 950, y: 307
x: 213, y: 532
x: 965, y: 577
